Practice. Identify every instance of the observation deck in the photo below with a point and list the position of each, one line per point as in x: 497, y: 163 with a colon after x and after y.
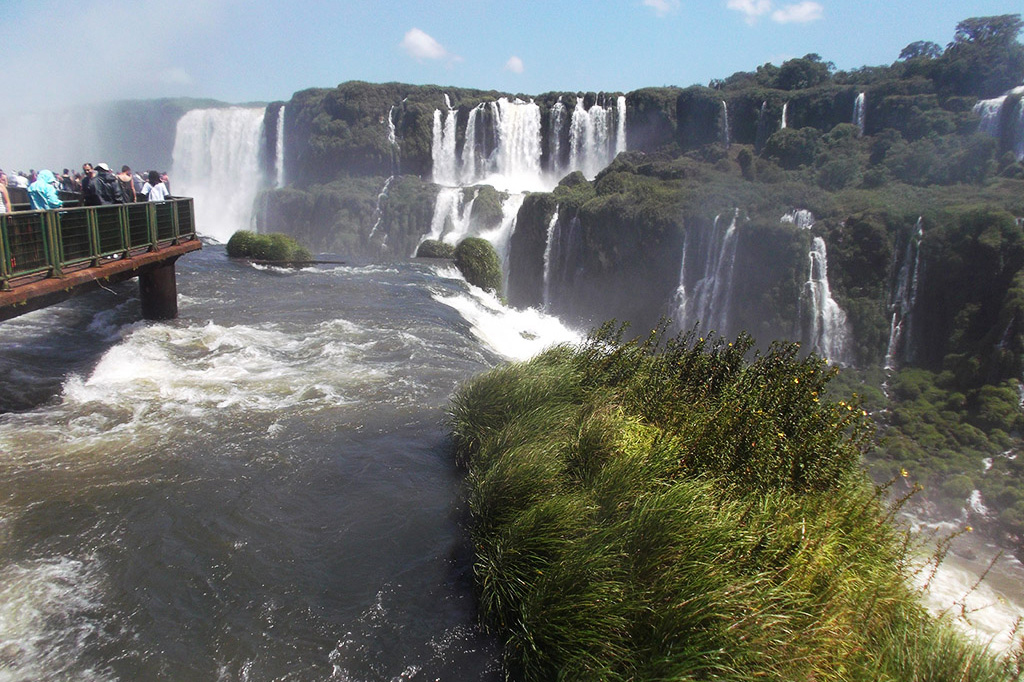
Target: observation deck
x: 49, y: 256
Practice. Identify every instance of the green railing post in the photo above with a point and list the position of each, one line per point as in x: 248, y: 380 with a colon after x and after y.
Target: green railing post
x: 92, y: 221
x: 151, y: 224
x: 175, y: 227
x: 5, y: 259
x: 126, y: 236
x: 51, y: 242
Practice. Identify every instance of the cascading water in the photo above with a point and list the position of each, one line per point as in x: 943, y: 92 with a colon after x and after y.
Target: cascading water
x: 512, y: 163
x: 501, y: 236
x: 590, y: 144
x: 393, y: 141
x: 994, y: 117
x: 517, y: 157
x: 620, y: 129
x: 279, y: 150
x: 859, y: 112
x: 470, y: 158
x: 829, y: 333
x: 216, y: 161
x: 548, y: 247
x: 377, y: 212
x: 442, y: 151
x: 989, y: 110
x: 556, y: 119
x: 785, y: 116
x: 1018, y: 147
x: 904, y: 297
x: 452, y: 215
x: 723, y: 125
x: 712, y: 291
x: 801, y: 217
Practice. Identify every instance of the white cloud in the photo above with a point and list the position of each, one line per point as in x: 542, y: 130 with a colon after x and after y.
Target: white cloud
x: 419, y: 45
x: 800, y: 13
x: 514, y: 64
x: 752, y: 9
x: 662, y: 7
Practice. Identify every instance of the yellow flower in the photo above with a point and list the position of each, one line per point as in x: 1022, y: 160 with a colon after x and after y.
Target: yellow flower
x: 903, y: 472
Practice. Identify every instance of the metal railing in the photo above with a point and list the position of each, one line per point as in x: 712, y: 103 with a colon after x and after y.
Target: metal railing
x: 39, y: 244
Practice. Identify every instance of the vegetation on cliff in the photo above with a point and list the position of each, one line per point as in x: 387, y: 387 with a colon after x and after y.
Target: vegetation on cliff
x: 672, y: 510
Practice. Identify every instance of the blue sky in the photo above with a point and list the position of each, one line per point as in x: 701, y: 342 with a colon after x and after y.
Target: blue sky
x: 58, y: 52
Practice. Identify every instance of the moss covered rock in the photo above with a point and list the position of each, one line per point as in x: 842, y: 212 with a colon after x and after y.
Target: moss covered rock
x: 271, y: 247
x: 435, y: 248
x: 478, y: 262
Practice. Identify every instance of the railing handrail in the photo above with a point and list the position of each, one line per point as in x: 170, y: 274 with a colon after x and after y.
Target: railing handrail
x: 49, y: 241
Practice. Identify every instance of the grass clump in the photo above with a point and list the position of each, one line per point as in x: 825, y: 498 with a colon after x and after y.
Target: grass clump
x: 672, y: 509
x: 272, y: 247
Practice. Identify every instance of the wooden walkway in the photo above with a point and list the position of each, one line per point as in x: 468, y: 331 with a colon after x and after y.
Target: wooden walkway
x: 49, y: 256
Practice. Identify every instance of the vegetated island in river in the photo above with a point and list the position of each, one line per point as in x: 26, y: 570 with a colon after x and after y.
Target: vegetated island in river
x: 669, y: 509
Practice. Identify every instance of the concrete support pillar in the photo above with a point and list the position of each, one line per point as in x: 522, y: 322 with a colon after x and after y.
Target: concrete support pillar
x: 158, y: 289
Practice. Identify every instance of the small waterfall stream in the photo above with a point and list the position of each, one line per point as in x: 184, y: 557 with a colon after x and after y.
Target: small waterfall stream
x: 829, y: 333
x: 903, y: 298
x: 859, y: 113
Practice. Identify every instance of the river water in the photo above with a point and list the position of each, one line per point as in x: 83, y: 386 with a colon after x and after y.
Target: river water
x: 258, y: 490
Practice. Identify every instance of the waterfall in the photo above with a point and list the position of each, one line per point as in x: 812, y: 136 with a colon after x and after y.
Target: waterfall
x: 858, y: 112
x: 517, y: 156
x: 620, y: 128
x: 377, y: 211
x: 514, y: 164
x: 393, y: 141
x: 989, y: 110
x: 829, y: 332
x: 801, y: 218
x: 552, y: 234
x: 712, y: 292
x: 589, y: 139
x: 279, y: 150
x: 761, y: 132
x: 1018, y: 148
x: 501, y: 236
x: 679, y: 299
x: 470, y: 170
x: 452, y: 215
x: 723, y: 125
x: 556, y: 119
x: 216, y: 161
x: 442, y: 151
x: 785, y: 116
x: 994, y: 117
x: 903, y: 299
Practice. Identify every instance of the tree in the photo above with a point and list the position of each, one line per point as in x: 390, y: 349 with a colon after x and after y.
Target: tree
x: 985, y: 59
x: 805, y: 72
x: 921, y: 49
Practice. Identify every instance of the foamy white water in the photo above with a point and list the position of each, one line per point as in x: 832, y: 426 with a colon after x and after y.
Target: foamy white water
x: 511, y: 333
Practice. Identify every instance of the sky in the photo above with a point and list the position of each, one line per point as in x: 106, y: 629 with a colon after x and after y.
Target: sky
x: 58, y: 53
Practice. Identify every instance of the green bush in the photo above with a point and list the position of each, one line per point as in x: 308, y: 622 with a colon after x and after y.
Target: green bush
x: 478, y: 262
x: 269, y: 247
x: 435, y: 248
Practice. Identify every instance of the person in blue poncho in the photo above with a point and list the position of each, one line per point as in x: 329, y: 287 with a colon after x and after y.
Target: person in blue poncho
x: 43, y: 192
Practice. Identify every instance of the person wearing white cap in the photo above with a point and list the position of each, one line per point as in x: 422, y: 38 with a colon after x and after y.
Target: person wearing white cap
x: 104, y: 188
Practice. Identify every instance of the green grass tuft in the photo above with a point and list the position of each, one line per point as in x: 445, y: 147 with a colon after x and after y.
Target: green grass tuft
x: 674, y: 509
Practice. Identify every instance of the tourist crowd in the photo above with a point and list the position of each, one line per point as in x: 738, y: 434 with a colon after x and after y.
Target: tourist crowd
x: 95, y: 186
